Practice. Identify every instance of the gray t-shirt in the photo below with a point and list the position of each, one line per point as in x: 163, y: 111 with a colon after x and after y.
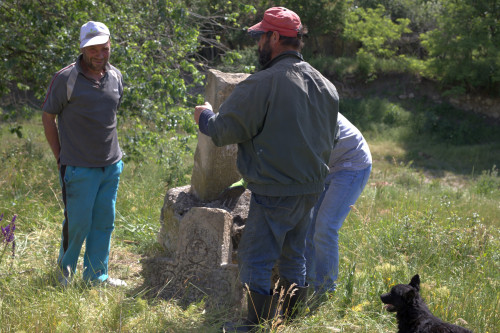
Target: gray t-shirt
x: 87, y: 122
x: 351, y: 151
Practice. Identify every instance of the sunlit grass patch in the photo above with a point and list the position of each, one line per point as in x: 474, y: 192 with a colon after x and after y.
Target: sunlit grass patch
x: 423, y: 211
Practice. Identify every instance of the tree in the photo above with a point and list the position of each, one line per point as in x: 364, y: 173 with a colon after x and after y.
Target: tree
x: 464, y: 51
x: 154, y: 43
x: 374, y: 30
x: 421, y: 13
x: 376, y: 33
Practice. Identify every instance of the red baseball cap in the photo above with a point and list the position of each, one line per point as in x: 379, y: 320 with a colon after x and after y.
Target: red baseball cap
x: 279, y: 19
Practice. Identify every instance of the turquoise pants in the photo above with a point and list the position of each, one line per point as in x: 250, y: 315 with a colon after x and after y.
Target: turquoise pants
x: 89, y: 196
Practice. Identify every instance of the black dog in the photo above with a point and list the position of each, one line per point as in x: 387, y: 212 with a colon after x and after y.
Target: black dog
x: 412, y: 313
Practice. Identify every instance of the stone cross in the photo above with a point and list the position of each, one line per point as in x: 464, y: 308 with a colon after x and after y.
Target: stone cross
x: 214, y: 168
x: 199, y: 235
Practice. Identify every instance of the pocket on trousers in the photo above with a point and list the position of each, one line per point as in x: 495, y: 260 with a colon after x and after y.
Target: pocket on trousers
x: 74, y: 174
x: 68, y: 174
x: 120, y: 166
x: 286, y: 203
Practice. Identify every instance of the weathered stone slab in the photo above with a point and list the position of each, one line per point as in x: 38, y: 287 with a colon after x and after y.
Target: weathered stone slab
x: 214, y: 167
x: 177, y: 202
x: 198, y: 233
x: 202, y: 265
x: 199, y: 239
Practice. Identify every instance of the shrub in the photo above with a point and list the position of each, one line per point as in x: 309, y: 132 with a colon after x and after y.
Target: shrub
x: 488, y: 182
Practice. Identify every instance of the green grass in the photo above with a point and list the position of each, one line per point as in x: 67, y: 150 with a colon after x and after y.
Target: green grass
x: 431, y: 207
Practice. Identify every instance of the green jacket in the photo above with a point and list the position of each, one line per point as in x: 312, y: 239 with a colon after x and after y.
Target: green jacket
x: 283, y: 119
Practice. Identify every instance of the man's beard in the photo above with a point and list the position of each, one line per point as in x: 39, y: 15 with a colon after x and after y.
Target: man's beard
x: 90, y: 65
x: 265, y: 53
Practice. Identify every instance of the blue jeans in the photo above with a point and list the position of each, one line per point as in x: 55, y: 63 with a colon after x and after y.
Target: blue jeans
x: 342, y: 189
x: 275, y: 231
x: 89, y: 196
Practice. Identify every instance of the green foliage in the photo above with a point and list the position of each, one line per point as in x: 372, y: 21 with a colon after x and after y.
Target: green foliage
x: 374, y: 114
x: 346, y: 68
x: 452, y: 126
x: 442, y: 123
x: 321, y: 17
x: 400, y: 64
x: 375, y: 30
x: 169, y: 145
x: 157, y: 52
x: 464, y: 49
x: 243, y: 61
x: 153, y: 43
x: 222, y: 25
x: 488, y: 182
x: 337, y: 67
x: 421, y: 13
x: 32, y: 52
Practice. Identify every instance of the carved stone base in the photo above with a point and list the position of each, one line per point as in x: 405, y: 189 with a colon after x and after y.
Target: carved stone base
x: 199, y: 260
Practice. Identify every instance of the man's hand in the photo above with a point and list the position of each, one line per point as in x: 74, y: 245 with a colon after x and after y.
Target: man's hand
x: 199, y: 109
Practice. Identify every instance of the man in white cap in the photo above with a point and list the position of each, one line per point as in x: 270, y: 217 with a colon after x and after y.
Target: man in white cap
x: 79, y: 119
x: 283, y: 119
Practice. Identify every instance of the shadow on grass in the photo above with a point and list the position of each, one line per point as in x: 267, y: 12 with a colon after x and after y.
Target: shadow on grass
x: 436, y: 137
x: 211, y: 316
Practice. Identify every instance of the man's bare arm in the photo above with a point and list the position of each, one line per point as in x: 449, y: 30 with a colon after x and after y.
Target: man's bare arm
x: 50, y: 128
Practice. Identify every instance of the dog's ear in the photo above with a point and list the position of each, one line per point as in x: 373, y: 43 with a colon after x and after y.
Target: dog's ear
x: 409, y: 295
x: 415, y: 282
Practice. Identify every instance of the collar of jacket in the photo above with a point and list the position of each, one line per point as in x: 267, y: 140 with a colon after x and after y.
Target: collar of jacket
x: 285, y: 54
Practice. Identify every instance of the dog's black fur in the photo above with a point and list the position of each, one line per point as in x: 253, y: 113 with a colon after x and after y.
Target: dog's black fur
x: 412, y: 313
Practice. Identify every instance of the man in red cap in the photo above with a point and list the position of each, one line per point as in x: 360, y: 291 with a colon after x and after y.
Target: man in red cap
x: 283, y: 119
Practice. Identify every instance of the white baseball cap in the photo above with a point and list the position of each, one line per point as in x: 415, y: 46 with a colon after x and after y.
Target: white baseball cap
x: 93, y: 33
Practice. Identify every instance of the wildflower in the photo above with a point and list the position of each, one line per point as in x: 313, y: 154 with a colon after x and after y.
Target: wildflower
x: 8, y: 234
x: 360, y: 307
x: 8, y: 231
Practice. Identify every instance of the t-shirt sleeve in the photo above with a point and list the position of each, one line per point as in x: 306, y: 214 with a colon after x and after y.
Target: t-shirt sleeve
x: 56, y: 98
x: 119, y: 78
